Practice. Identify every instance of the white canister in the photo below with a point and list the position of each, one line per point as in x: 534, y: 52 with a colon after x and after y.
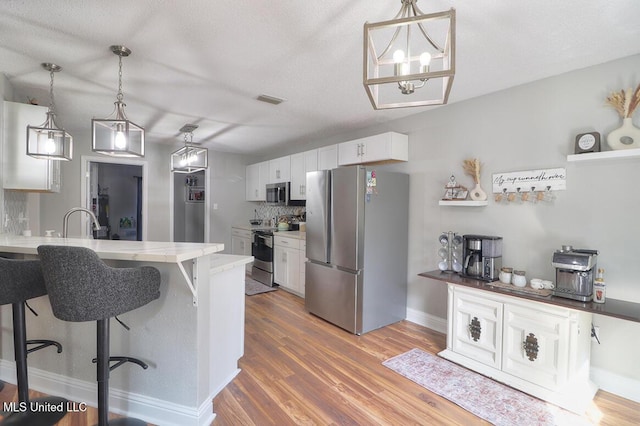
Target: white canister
x: 519, y: 279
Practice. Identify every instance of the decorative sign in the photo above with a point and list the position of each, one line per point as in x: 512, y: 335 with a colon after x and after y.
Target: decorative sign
x: 532, y: 180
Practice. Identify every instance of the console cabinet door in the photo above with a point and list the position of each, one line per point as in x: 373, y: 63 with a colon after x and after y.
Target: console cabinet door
x: 477, y: 328
x: 536, y: 344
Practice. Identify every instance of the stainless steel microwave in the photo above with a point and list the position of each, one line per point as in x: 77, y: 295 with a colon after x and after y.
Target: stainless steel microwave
x: 278, y: 194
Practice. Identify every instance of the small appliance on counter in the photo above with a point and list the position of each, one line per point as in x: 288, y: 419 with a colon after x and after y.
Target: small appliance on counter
x: 575, y: 271
x: 482, y: 256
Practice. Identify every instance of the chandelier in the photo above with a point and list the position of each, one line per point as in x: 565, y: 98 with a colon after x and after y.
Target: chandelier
x: 116, y: 135
x: 48, y: 141
x: 409, y: 60
x: 189, y: 158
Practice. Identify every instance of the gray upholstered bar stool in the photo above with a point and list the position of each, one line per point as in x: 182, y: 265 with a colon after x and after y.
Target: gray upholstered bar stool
x: 21, y: 280
x: 82, y: 287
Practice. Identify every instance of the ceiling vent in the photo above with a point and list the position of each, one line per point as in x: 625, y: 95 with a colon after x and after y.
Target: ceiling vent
x: 270, y: 99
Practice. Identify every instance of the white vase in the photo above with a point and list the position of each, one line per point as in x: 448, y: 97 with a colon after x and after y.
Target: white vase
x: 477, y: 193
x: 626, y: 136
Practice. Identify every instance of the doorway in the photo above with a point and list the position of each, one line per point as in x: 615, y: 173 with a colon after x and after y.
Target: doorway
x: 115, y: 191
x: 189, y: 207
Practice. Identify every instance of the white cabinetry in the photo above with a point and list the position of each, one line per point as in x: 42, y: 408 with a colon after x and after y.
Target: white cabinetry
x: 256, y: 181
x: 303, y: 259
x: 541, y: 349
x: 385, y: 147
x: 328, y: 157
x: 301, y: 164
x: 241, y: 244
x: 20, y: 171
x: 286, y: 264
x: 280, y: 170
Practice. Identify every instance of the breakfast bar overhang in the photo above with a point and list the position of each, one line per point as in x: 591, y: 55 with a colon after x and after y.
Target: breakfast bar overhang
x: 192, y: 337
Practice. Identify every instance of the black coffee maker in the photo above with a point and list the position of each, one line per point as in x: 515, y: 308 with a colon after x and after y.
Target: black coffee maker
x: 482, y: 257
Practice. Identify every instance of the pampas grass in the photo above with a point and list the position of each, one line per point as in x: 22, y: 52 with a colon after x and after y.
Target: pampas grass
x: 472, y: 168
x: 625, y: 102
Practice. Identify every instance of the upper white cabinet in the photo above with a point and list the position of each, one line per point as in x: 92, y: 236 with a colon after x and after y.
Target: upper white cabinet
x: 280, y: 170
x: 385, y: 147
x: 301, y: 164
x: 328, y: 157
x: 257, y: 178
x: 20, y: 171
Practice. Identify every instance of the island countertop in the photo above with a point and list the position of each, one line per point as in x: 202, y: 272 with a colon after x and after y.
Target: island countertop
x: 144, y: 251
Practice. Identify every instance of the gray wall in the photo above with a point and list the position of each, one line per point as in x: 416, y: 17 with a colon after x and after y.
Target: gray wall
x: 525, y: 128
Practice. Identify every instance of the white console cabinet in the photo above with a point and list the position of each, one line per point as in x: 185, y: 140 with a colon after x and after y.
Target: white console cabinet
x: 541, y: 349
x: 21, y: 172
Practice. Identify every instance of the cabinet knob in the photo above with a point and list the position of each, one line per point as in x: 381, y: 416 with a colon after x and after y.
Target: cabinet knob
x: 530, y: 346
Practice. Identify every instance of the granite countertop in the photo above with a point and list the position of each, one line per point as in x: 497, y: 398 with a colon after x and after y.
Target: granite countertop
x: 301, y: 235
x: 146, y: 251
x: 622, y: 309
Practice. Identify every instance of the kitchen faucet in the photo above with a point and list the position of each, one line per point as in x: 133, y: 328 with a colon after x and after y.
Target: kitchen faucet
x: 65, y: 220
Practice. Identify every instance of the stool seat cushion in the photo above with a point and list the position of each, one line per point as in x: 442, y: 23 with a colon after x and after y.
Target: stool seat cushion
x: 20, y: 280
x: 82, y: 287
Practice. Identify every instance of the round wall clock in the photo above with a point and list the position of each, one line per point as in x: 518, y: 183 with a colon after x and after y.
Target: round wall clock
x: 587, y: 142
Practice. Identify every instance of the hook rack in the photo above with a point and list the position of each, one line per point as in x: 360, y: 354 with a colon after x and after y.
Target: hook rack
x: 529, y: 186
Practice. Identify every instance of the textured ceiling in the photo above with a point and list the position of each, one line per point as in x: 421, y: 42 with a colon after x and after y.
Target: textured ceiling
x: 205, y: 61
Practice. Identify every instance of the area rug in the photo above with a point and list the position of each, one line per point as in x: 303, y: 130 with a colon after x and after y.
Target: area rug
x: 480, y: 395
x: 252, y: 287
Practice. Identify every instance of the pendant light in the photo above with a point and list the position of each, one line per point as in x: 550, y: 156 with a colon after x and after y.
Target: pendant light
x: 116, y: 135
x: 409, y: 60
x: 48, y: 141
x: 189, y: 158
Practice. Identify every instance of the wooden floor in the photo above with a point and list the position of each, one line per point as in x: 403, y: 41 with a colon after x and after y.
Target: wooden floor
x: 300, y: 370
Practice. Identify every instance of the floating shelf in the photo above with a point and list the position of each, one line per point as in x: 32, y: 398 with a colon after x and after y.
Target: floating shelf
x: 463, y: 203
x: 594, y: 156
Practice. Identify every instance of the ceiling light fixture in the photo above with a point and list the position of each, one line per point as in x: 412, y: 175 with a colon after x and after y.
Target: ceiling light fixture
x: 416, y: 64
x: 189, y: 158
x: 116, y: 135
x: 48, y: 141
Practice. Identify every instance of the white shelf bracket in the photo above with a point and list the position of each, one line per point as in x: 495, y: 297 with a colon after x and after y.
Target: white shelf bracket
x: 191, y: 282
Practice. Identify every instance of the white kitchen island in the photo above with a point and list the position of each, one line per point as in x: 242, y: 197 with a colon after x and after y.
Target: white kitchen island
x: 192, y: 337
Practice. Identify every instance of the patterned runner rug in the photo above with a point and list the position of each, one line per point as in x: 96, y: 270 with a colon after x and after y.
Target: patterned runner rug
x: 480, y: 395
x: 252, y: 287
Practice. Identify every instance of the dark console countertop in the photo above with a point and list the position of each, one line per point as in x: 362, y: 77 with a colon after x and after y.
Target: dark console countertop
x: 629, y: 311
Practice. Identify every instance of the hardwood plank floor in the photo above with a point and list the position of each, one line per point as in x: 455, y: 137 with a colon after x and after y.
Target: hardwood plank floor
x: 301, y: 370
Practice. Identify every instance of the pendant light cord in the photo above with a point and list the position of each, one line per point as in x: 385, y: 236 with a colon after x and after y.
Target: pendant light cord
x: 120, y: 95
x: 52, y: 102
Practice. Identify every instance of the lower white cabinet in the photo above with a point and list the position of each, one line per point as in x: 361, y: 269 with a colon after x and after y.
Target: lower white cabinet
x: 541, y: 349
x: 287, y: 264
x: 241, y: 244
x: 20, y: 171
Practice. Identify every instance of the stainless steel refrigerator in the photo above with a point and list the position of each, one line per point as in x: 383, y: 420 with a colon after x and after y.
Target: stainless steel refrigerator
x: 357, y: 246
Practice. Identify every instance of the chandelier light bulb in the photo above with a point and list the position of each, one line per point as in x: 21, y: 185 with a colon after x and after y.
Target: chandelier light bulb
x: 121, y: 140
x: 398, y: 56
x: 425, y: 59
x: 50, y: 144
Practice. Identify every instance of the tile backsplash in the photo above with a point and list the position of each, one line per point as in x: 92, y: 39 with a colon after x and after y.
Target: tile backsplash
x: 268, y: 211
x: 15, y: 206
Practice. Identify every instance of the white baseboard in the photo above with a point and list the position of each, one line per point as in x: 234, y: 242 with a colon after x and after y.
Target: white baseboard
x: 151, y: 410
x: 616, y: 384
x: 430, y: 321
x: 606, y: 380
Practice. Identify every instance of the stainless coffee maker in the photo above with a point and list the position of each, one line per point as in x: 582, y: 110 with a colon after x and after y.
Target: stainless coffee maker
x: 575, y: 270
x: 482, y: 256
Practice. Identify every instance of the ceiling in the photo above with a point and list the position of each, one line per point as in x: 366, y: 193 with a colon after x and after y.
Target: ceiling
x: 205, y: 62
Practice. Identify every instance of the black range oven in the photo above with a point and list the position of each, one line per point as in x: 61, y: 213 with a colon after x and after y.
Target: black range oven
x: 262, y: 251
